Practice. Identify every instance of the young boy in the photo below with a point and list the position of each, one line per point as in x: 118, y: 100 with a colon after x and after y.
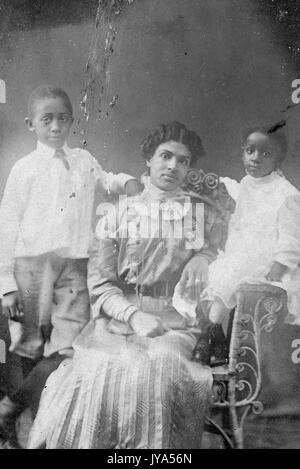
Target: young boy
x: 45, y: 229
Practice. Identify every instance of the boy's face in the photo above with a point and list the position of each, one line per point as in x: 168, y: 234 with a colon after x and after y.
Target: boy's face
x: 51, y: 121
x: 260, y: 155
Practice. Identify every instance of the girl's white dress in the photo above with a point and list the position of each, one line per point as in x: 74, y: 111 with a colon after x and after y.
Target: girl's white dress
x: 264, y: 228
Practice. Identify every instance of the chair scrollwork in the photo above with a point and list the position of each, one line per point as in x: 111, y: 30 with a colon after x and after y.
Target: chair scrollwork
x: 259, y: 309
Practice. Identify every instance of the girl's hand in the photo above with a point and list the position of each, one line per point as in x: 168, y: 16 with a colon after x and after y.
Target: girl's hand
x: 276, y: 272
x: 146, y: 325
x: 12, y: 306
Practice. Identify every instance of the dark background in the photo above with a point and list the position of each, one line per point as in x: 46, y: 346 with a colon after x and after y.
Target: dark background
x: 216, y: 65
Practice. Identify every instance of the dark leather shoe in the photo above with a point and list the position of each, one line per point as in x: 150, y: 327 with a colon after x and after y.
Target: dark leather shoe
x: 219, y: 353
x: 201, y: 351
x: 8, y: 415
x: 6, y: 444
x: 8, y: 432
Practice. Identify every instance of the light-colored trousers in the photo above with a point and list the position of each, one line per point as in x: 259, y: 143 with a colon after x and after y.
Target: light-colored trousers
x: 55, y: 303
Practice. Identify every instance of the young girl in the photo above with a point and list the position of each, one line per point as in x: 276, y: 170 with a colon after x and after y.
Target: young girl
x: 264, y: 235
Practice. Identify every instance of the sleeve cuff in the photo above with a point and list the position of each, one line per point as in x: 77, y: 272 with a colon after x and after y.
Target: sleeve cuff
x: 117, y: 307
x: 129, y: 312
x: 125, y: 178
x: 284, y: 261
x: 7, y: 287
x: 115, y: 183
x: 208, y: 255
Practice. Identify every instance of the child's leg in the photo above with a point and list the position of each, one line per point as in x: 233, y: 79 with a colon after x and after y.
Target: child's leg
x: 212, y: 347
x: 63, y: 300
x: 27, y: 395
x: 71, y: 309
x: 53, y: 289
x: 35, y: 278
x: 218, y: 311
x: 30, y: 392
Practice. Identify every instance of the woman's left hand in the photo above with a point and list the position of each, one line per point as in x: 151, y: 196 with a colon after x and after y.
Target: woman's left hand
x: 146, y: 325
x: 194, y: 277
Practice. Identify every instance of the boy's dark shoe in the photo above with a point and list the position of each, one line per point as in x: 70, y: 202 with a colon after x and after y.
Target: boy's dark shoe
x: 9, y: 411
x: 218, y: 346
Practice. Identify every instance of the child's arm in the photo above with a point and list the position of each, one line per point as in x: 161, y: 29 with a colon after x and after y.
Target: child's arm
x: 11, y: 209
x: 120, y: 183
x: 287, y: 251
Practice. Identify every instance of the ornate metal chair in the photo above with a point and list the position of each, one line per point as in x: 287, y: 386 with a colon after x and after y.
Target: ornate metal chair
x: 260, y: 308
x: 237, y: 388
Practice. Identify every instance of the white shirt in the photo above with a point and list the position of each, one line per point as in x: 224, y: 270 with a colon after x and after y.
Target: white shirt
x: 264, y: 228
x: 48, y: 208
x: 266, y: 221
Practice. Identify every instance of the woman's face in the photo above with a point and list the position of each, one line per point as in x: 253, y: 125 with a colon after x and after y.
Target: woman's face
x: 169, y: 165
x: 260, y: 155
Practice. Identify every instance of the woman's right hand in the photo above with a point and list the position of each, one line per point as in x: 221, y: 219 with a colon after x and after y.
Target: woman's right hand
x: 146, y: 325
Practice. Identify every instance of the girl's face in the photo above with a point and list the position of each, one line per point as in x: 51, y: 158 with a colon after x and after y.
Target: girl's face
x: 169, y: 165
x: 261, y: 155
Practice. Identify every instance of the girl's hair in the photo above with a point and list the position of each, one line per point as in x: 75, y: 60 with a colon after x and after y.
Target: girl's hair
x: 173, y: 131
x: 47, y: 91
x: 274, y: 132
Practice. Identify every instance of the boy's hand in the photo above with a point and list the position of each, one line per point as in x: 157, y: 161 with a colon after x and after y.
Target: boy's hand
x: 11, y: 306
x: 276, y: 272
x: 133, y: 187
x: 146, y: 325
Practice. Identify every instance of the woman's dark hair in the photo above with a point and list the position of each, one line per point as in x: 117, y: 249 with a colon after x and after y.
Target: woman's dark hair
x: 47, y: 91
x: 274, y: 132
x: 173, y: 131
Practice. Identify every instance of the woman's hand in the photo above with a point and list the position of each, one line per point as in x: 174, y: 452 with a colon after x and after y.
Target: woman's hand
x: 146, y: 325
x: 173, y: 320
x: 12, y: 306
x: 276, y: 272
x: 194, y: 277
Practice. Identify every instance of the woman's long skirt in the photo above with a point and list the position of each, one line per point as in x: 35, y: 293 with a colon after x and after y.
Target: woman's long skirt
x: 125, y: 391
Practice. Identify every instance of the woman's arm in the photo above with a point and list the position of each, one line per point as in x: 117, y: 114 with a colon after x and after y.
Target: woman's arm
x: 195, y: 272
x: 105, y: 293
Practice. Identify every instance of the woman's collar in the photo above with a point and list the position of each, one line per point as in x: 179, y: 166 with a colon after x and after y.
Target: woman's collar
x: 158, y: 194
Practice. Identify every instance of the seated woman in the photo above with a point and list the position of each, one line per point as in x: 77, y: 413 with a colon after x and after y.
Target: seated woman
x: 132, y: 382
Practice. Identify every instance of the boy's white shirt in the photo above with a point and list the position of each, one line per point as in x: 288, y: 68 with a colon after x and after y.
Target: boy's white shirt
x: 47, y: 208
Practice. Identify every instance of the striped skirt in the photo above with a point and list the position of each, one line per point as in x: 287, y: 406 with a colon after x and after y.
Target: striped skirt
x: 125, y: 391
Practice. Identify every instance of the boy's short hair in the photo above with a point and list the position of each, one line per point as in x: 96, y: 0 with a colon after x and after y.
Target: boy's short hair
x: 47, y: 91
x: 273, y: 131
x: 173, y: 131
